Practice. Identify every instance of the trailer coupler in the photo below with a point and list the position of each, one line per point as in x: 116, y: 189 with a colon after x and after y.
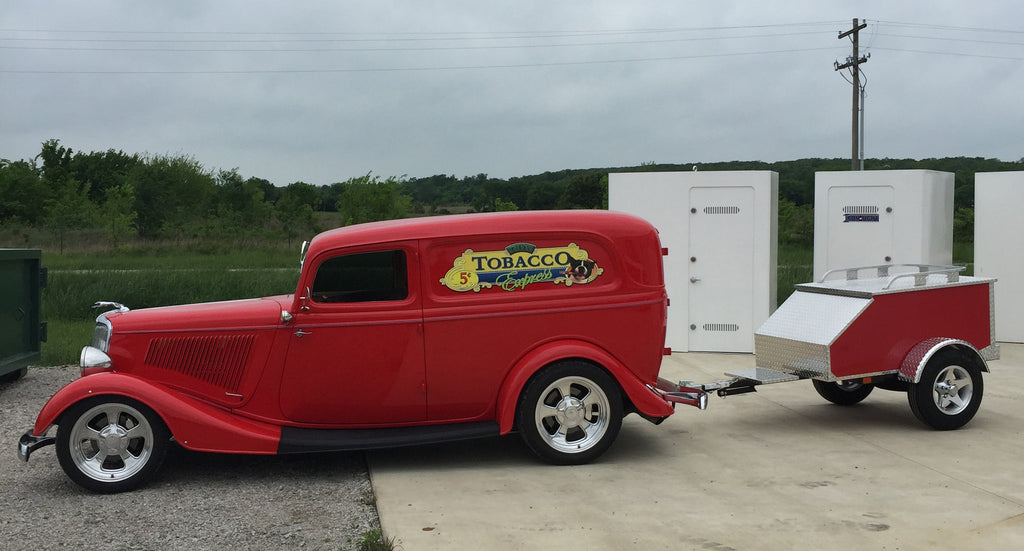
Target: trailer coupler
x: 696, y: 395
x: 730, y: 387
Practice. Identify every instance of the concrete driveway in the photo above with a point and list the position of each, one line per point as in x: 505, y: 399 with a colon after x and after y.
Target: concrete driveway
x: 776, y: 469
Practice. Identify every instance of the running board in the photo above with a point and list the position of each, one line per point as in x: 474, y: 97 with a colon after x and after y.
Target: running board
x: 300, y: 440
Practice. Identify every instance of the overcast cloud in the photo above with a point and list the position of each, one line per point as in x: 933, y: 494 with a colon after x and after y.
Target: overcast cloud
x: 323, y: 91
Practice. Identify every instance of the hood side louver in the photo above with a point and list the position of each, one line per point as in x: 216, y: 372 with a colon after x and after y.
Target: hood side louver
x: 217, y: 360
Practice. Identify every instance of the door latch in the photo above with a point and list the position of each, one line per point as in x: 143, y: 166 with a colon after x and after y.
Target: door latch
x: 300, y: 333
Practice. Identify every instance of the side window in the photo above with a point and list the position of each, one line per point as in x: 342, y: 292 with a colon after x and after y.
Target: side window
x: 362, y: 277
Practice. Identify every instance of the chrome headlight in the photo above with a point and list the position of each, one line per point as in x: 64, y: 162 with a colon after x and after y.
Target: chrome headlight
x: 93, y: 357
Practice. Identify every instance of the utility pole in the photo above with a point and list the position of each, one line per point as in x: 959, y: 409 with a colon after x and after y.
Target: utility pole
x: 853, y: 63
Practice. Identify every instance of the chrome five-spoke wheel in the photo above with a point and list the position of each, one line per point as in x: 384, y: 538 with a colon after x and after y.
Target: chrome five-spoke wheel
x: 110, y: 444
x: 570, y: 413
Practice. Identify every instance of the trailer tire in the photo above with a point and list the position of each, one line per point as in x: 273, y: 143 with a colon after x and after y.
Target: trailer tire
x: 843, y: 393
x: 950, y: 390
x: 570, y: 413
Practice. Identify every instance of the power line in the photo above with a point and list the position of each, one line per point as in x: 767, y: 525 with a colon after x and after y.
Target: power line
x: 400, y: 69
x: 427, y: 35
x: 948, y: 27
x: 958, y: 54
x: 397, y: 49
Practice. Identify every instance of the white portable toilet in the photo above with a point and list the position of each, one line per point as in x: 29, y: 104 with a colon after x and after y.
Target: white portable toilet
x: 877, y: 217
x: 721, y: 232
x: 998, y: 226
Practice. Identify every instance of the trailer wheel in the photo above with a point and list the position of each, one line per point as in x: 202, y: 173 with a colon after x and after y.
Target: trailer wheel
x: 111, y: 444
x: 950, y: 390
x: 843, y: 393
x: 570, y: 413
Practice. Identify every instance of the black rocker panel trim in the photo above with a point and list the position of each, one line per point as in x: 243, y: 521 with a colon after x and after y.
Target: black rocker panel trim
x: 301, y: 440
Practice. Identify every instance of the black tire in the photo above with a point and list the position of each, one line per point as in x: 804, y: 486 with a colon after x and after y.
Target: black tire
x: 843, y: 393
x: 950, y: 390
x: 570, y: 413
x: 111, y: 444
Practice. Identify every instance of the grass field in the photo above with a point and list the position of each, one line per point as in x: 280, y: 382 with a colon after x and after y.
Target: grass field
x: 165, y: 275
x: 148, y: 277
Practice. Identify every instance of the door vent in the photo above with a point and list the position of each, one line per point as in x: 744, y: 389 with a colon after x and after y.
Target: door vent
x: 860, y: 213
x: 218, y: 360
x: 721, y: 327
x: 721, y: 210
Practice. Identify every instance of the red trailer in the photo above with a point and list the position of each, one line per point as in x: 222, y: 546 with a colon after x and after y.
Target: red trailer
x: 921, y: 329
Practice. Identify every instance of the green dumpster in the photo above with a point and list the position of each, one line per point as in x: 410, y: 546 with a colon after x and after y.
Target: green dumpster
x: 21, y: 330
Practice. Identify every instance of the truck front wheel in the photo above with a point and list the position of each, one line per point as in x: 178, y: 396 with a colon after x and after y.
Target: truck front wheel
x: 950, y: 390
x: 570, y: 413
x: 111, y: 444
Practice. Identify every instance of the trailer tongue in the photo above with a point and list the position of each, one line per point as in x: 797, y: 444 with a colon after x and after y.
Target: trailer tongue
x: 922, y: 329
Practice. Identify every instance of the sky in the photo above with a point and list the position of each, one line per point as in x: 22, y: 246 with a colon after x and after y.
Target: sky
x: 324, y: 91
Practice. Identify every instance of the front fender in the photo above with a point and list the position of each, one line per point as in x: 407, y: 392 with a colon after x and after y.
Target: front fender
x: 195, y: 424
x: 915, y: 360
x: 644, y: 399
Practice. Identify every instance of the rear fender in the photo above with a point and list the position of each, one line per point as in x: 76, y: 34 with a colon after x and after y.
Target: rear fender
x: 195, y: 424
x: 913, y: 364
x: 644, y: 399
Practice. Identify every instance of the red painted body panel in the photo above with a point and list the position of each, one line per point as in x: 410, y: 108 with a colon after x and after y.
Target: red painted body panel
x: 895, y: 323
x: 195, y: 424
x: 227, y: 376
x: 360, y: 364
x: 642, y: 397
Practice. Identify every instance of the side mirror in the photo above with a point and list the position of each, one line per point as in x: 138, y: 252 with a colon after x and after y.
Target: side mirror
x: 304, y: 307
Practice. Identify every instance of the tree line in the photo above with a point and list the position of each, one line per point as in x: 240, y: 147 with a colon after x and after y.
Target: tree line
x: 167, y: 197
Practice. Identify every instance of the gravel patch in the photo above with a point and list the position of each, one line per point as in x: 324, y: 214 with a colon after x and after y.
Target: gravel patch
x: 196, y: 501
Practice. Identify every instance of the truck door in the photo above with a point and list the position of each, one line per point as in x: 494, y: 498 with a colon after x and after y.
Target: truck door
x: 355, y: 356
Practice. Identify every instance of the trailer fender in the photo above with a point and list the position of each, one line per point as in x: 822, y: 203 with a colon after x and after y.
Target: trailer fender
x: 645, y: 400
x: 915, y: 360
x: 195, y: 424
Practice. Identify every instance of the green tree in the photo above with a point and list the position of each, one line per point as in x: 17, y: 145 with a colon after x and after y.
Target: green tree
x: 368, y: 199
x: 585, y: 191
x: 172, y: 194
x: 240, y: 203
x: 102, y: 170
x: 796, y: 223
x: 70, y: 209
x: 504, y: 206
x: 118, y: 213
x: 294, y: 209
x: 23, y: 196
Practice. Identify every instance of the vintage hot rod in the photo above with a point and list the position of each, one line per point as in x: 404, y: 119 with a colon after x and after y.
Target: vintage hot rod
x: 399, y: 333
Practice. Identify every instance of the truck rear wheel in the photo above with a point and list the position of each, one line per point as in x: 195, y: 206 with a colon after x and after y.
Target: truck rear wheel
x: 570, y: 413
x: 843, y: 393
x: 949, y: 392
x: 111, y: 444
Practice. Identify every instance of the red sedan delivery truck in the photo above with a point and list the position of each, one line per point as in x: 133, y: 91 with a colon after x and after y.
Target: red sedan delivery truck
x: 398, y: 333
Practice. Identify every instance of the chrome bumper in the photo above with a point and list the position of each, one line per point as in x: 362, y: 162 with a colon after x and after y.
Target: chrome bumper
x: 28, y: 444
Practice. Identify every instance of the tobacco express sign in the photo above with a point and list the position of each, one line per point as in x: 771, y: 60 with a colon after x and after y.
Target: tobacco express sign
x: 519, y: 265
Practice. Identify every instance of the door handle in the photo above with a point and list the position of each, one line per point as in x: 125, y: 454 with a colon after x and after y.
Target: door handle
x: 694, y: 279
x: 300, y: 333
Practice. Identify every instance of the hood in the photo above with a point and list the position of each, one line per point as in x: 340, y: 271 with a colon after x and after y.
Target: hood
x: 235, y: 314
